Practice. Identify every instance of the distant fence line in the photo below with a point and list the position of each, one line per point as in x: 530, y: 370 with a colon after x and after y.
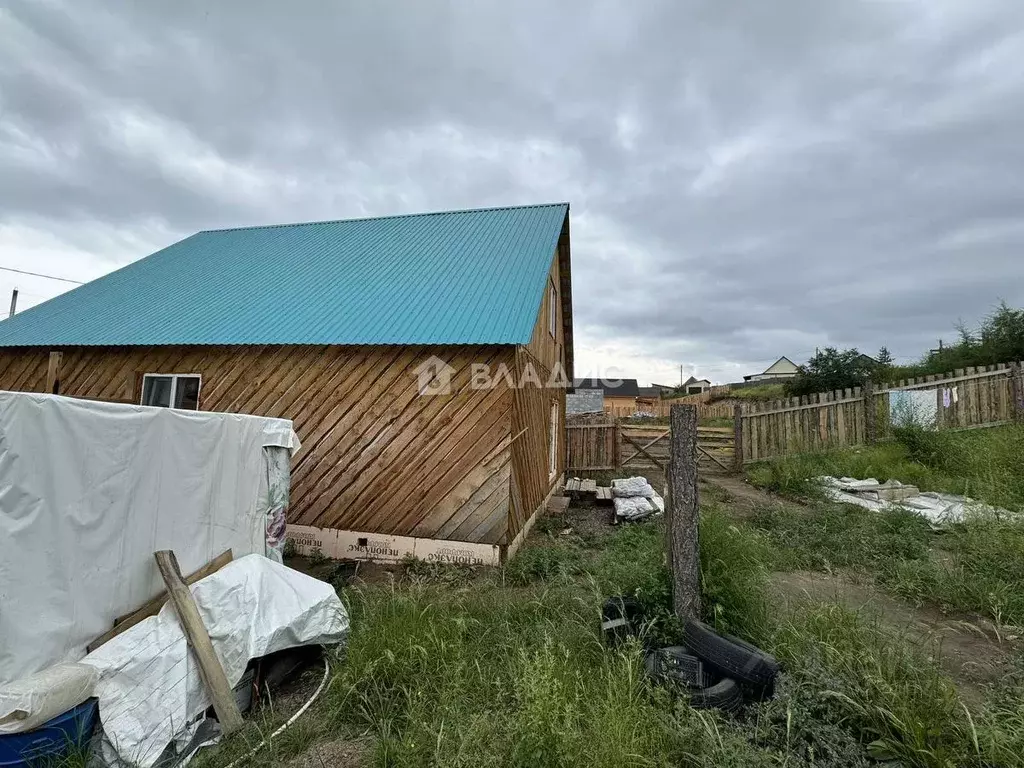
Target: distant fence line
x: 985, y: 396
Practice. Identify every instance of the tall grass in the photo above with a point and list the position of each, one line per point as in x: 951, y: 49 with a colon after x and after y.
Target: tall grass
x: 984, y: 464
x: 499, y: 677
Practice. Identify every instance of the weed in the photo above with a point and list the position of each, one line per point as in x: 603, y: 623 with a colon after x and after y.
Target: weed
x: 882, y: 685
x: 734, y: 581
x: 826, y: 536
x: 984, y: 574
x: 983, y: 464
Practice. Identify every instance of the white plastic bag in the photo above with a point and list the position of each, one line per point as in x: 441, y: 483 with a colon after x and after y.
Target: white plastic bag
x: 631, y: 487
x: 29, y: 702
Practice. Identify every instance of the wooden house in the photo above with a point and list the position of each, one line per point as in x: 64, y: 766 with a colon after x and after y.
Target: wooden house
x: 619, y: 395
x: 422, y: 359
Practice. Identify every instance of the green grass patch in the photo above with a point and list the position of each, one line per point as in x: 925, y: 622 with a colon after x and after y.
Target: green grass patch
x: 827, y: 536
x: 984, y: 464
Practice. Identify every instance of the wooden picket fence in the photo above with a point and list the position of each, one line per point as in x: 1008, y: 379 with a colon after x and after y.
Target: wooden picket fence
x: 662, y: 408
x: 970, y: 398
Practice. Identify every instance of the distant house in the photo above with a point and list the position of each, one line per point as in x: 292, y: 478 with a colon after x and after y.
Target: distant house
x: 619, y: 395
x: 783, y: 368
x: 655, y: 392
x: 368, y: 334
x: 695, y: 386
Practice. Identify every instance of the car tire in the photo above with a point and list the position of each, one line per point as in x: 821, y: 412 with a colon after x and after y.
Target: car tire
x: 732, y: 657
x: 724, y: 695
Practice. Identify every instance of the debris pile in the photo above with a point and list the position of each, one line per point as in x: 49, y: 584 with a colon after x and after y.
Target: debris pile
x: 941, y: 509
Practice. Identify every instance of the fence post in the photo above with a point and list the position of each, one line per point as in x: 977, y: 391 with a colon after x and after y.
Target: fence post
x: 683, y: 546
x: 737, y: 439
x: 1017, y: 392
x: 867, y: 391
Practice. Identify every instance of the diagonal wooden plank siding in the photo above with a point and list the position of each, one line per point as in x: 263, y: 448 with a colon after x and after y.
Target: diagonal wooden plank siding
x: 376, y: 456
x: 531, y: 417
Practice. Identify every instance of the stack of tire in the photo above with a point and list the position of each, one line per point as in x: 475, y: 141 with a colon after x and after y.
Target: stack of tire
x: 711, y: 669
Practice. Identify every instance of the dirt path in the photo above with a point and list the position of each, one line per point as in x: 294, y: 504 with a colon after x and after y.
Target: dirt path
x: 738, y: 496
x: 969, y: 648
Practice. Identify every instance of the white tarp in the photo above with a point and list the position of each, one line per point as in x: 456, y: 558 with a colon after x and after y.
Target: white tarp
x: 88, y: 491
x: 149, y: 688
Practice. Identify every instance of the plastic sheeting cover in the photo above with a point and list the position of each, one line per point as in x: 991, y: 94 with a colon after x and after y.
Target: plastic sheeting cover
x: 88, y: 491
x: 149, y: 689
x: 940, y: 509
x: 31, y: 701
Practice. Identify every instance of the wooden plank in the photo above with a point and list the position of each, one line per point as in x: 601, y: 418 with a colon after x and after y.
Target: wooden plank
x: 808, y: 407
x: 682, y: 509
x: 210, y: 669
x: 712, y: 457
x: 53, y: 373
x: 643, y: 449
x: 737, y: 436
x: 152, y: 607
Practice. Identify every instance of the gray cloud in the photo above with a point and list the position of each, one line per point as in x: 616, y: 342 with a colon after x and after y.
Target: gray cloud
x: 748, y: 179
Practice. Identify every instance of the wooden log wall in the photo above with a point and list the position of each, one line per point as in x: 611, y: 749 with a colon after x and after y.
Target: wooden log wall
x: 375, y: 457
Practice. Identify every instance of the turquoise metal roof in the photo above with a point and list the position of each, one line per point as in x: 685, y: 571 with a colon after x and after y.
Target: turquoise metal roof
x: 459, y: 277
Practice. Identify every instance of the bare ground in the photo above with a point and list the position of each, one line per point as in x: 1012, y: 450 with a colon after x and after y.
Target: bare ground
x: 971, y: 649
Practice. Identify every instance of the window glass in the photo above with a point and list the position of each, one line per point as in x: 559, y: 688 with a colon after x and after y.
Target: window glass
x: 186, y: 393
x: 156, y: 390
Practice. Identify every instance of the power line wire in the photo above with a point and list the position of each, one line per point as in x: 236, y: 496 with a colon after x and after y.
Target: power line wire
x: 37, y: 274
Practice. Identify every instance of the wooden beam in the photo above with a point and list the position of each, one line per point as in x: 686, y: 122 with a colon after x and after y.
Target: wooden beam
x: 684, y: 547
x: 737, y: 439
x: 53, y: 373
x: 1016, y: 393
x: 867, y: 391
x: 642, y: 449
x: 152, y: 607
x: 210, y: 669
x: 705, y: 452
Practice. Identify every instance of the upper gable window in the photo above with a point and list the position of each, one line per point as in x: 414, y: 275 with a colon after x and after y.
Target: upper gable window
x: 553, y: 311
x: 171, y: 390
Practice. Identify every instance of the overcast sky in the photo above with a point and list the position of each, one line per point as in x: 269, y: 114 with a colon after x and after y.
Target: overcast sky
x: 747, y: 179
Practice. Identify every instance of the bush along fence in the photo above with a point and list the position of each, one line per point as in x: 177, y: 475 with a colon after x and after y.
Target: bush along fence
x: 970, y: 398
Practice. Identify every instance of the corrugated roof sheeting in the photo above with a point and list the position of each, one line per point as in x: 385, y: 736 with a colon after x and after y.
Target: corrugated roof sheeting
x: 460, y: 277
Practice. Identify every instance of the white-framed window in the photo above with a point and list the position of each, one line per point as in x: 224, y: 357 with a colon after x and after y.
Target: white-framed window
x: 553, y: 310
x: 172, y: 390
x: 553, y: 441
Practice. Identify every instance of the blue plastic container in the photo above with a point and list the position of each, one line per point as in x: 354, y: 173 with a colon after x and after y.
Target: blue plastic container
x: 54, y: 739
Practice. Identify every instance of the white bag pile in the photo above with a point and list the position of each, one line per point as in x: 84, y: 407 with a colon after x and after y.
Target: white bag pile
x: 635, y: 499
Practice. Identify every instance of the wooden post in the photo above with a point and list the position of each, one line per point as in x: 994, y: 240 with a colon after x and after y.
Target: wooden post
x: 53, y: 374
x: 737, y: 439
x: 870, y: 413
x: 1016, y: 392
x: 683, y: 545
x: 210, y: 669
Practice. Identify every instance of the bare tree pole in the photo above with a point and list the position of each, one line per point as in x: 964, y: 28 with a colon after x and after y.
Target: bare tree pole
x: 683, y: 546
